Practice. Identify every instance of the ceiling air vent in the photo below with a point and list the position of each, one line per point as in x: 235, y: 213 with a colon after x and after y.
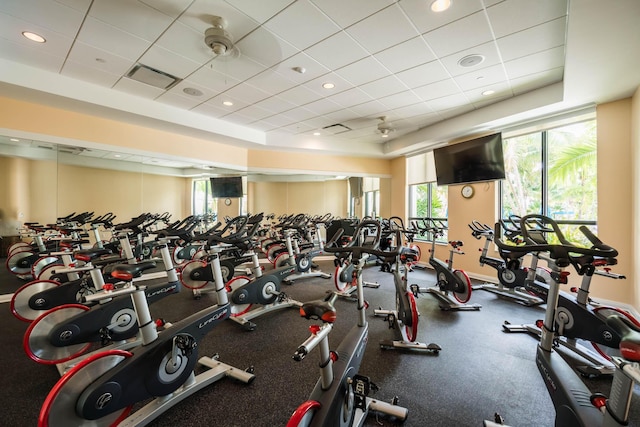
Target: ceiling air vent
x: 336, y: 129
x: 153, y: 77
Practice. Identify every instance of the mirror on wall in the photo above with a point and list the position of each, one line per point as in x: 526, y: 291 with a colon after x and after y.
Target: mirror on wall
x: 28, y: 189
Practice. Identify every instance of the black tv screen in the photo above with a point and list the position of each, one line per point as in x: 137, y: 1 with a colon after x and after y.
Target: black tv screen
x: 479, y: 159
x: 228, y: 186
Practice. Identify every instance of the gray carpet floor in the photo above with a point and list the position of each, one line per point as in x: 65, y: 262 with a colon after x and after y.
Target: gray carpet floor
x: 480, y: 370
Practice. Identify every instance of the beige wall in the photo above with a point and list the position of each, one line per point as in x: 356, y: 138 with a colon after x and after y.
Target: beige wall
x: 313, y: 198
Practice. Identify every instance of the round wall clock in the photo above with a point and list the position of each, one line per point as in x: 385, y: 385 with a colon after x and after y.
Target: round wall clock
x: 227, y: 201
x: 467, y: 191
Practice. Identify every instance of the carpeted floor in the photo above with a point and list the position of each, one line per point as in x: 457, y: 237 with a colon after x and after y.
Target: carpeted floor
x: 479, y: 371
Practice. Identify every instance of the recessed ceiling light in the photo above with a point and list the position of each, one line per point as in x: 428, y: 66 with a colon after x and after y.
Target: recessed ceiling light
x: 14, y: 140
x: 117, y: 155
x: 328, y: 85
x: 316, y: 134
x: 227, y: 103
x: 488, y: 92
x: 385, y: 135
x: 192, y: 91
x: 471, y: 60
x: 34, y: 37
x: 440, y: 5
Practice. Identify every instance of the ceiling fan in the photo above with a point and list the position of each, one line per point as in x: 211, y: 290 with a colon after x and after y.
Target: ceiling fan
x: 384, y: 128
x: 219, y: 40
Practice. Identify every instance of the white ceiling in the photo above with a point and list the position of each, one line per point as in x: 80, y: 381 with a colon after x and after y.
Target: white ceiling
x: 386, y: 58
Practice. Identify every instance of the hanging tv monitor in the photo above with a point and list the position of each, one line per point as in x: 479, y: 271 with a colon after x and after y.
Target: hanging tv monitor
x: 476, y: 160
x: 226, y: 187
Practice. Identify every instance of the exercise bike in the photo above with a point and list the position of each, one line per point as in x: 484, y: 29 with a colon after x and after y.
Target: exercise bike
x: 576, y: 318
x: 511, y: 277
x: 340, y: 397
x: 575, y: 404
x: 404, y: 318
x: 61, y: 336
x: 102, y: 389
x: 449, y: 280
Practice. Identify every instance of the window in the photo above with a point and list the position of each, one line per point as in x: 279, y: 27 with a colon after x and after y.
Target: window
x: 372, y: 203
x: 202, y: 201
x: 428, y: 201
x: 553, y: 173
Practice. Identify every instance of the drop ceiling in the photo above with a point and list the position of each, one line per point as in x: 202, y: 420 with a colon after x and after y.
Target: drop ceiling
x: 482, y: 64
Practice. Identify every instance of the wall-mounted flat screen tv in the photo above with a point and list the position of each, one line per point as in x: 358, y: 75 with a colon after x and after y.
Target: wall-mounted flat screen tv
x: 226, y: 187
x: 476, y: 160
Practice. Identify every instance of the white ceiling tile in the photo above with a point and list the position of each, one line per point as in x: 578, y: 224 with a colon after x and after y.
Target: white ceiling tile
x: 492, y: 99
x: 512, y: 16
x: 254, y: 112
x: 532, y: 40
x: 406, y: 55
x: 139, y: 89
x: 168, y: 62
x: 80, y: 5
x: 207, y: 93
x: 302, y: 24
x: 538, y: 62
x: 371, y: 108
x: 463, y: 34
x: 299, y: 95
x: 340, y: 84
x: 247, y: 92
x: 266, y: 48
x: 488, y: 50
x: 176, y: 100
x: 423, y: 74
x: 425, y: 20
x: 415, y: 113
x: 271, y: 82
x: 448, y: 102
x: 500, y: 90
x: 276, y: 104
x: 399, y: 99
x: 383, y: 87
x: 297, y: 128
x: 212, y: 80
x: 58, y: 44
x: 535, y: 81
x: 82, y: 71
x: 240, y: 119
x: 455, y: 111
x: 322, y: 106
x: 299, y: 114
x: 481, y: 78
x: 172, y: 8
x: 277, y: 120
x: 91, y: 56
x: 186, y: 42
x: 345, y: 13
x: 261, y: 11
x: 239, y: 69
x: 350, y: 97
x: 375, y: 33
x: 363, y: 71
x: 312, y: 68
x: 337, y: 51
x: 32, y: 57
x: 48, y: 15
x: 437, y: 90
x: 264, y: 126
x: 211, y: 109
x: 131, y: 16
x: 107, y: 37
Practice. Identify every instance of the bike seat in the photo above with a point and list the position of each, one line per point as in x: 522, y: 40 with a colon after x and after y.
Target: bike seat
x: 87, y: 255
x: 629, y: 337
x: 320, y: 310
x: 135, y: 270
